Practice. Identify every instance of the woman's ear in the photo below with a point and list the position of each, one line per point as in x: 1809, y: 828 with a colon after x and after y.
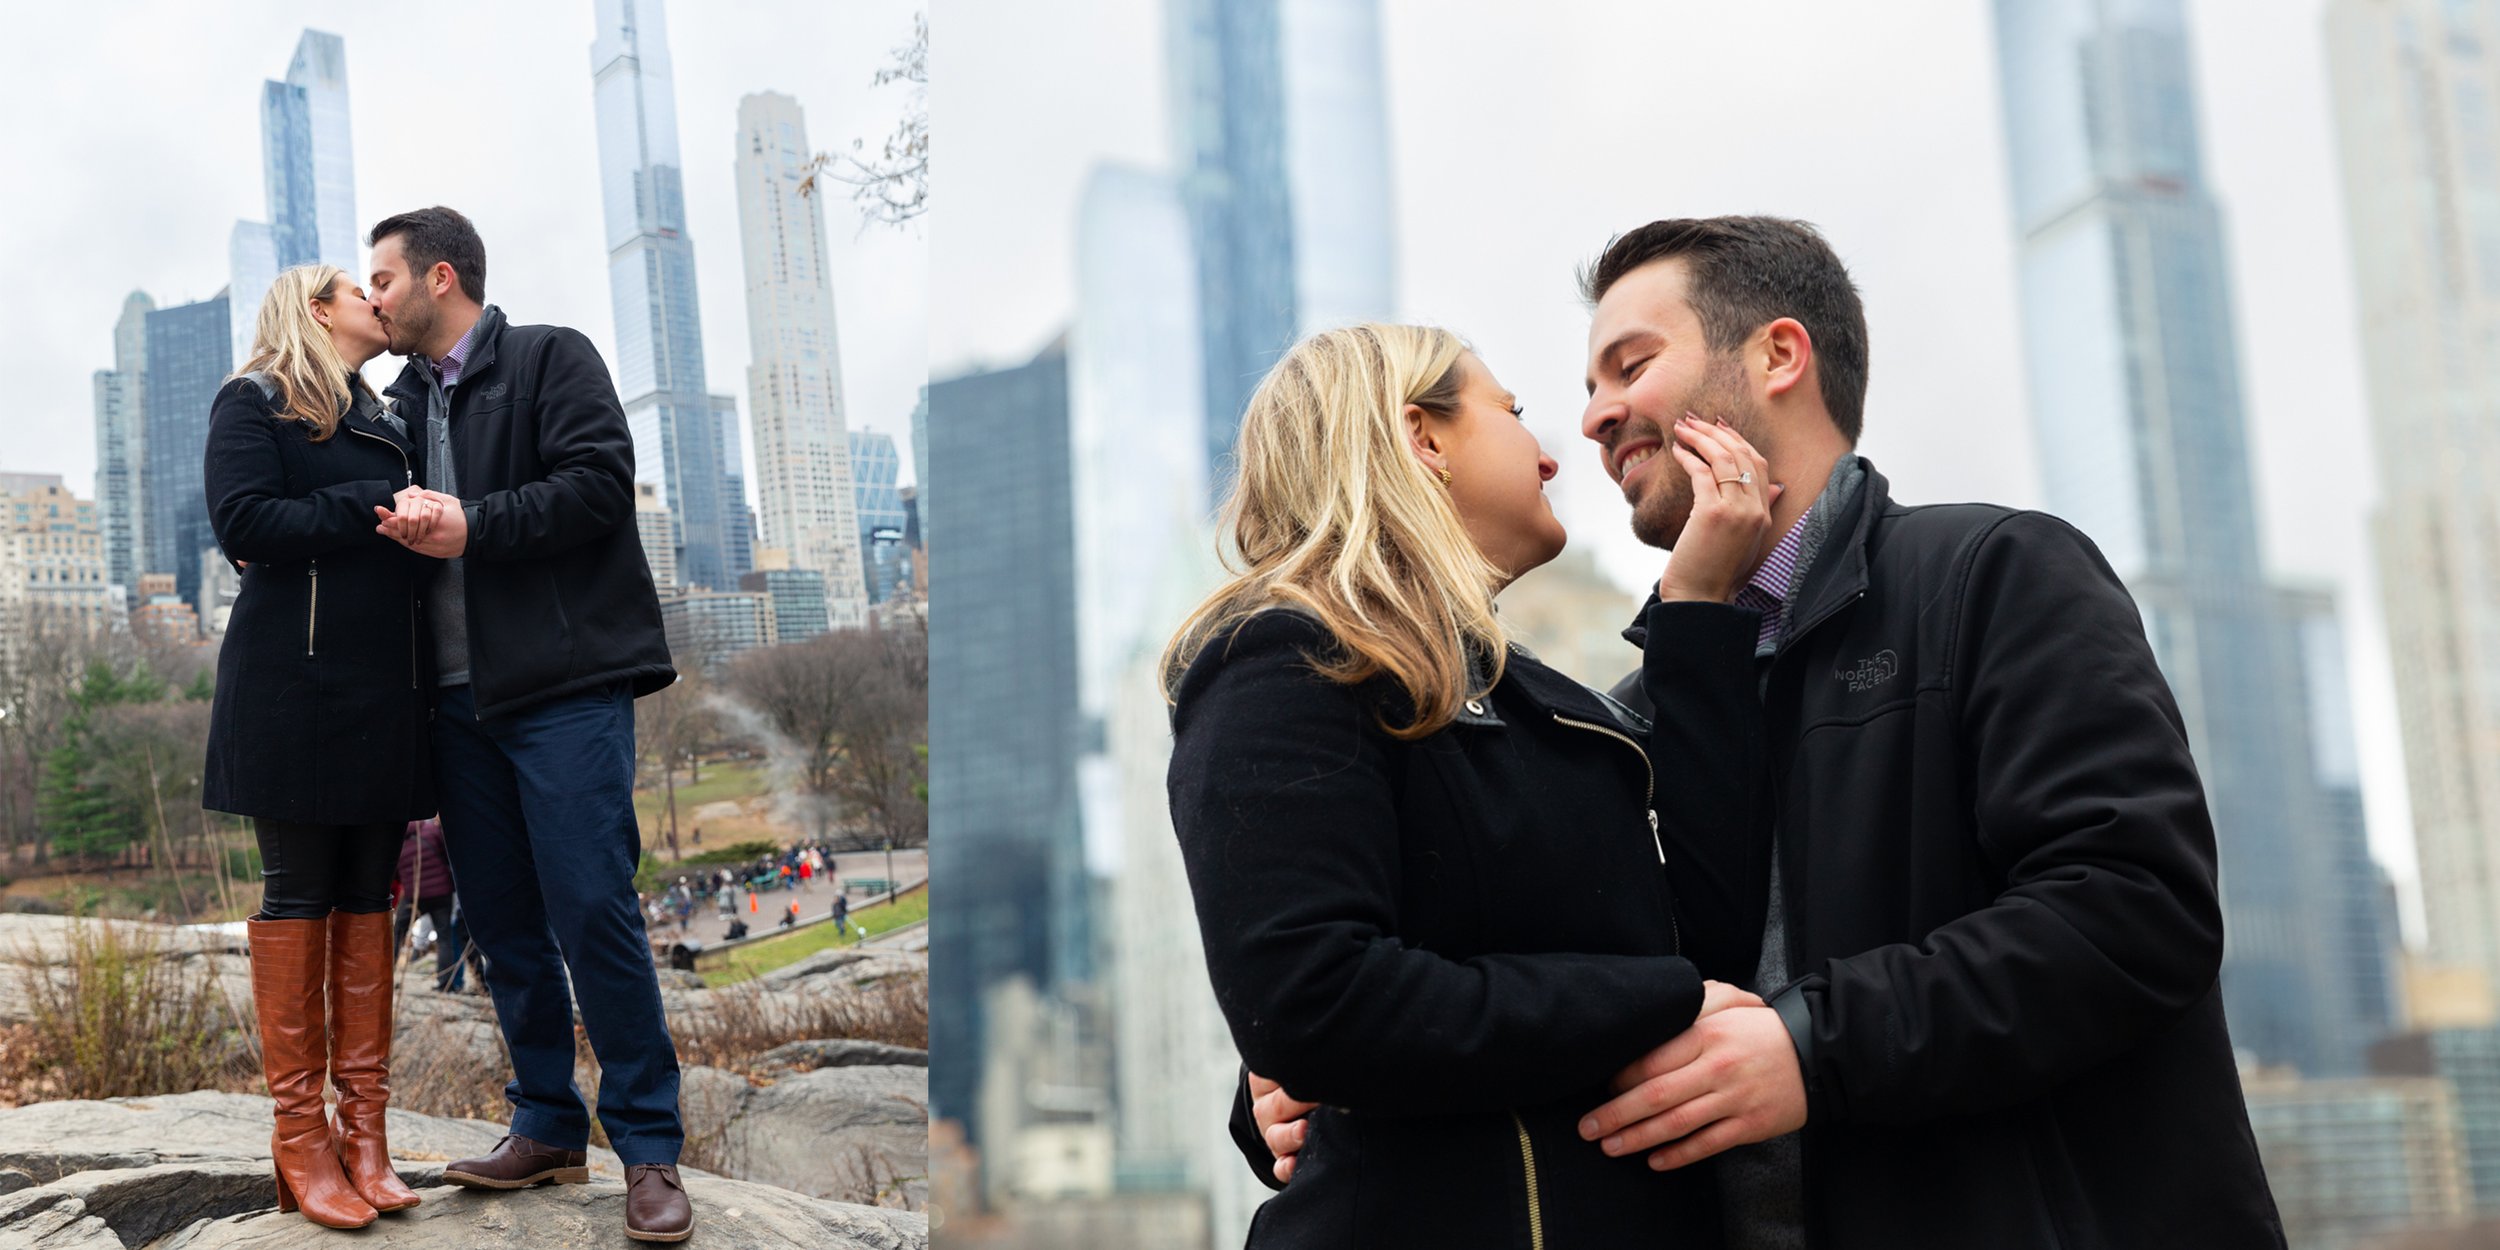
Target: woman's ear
x: 321, y: 314
x: 1423, y: 439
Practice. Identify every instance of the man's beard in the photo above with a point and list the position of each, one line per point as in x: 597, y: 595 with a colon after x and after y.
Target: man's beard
x: 407, y: 333
x: 1659, y: 518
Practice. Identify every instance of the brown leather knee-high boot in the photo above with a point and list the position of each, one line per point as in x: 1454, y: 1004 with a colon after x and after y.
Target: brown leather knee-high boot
x: 360, y: 1053
x: 288, y: 973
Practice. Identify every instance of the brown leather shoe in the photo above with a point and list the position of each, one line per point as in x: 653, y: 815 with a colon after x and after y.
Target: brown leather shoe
x: 360, y: 1054
x: 287, y: 979
x: 656, y: 1208
x: 516, y: 1162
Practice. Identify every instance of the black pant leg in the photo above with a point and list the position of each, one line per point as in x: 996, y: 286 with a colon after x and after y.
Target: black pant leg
x: 298, y: 864
x: 368, y: 856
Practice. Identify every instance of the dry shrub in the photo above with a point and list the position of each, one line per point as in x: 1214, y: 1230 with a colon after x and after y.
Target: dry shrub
x: 746, y: 1020
x: 123, y: 1019
x: 435, y: 1071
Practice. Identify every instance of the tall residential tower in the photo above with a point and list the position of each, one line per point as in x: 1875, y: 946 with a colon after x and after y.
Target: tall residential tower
x: 794, y: 383
x: 2417, y: 110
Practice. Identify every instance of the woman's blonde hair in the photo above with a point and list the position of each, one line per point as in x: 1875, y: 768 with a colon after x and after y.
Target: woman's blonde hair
x: 1331, y: 512
x: 296, y: 352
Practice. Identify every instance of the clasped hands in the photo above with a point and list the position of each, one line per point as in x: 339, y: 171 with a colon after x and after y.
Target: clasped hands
x: 427, y: 522
x: 1729, y: 1079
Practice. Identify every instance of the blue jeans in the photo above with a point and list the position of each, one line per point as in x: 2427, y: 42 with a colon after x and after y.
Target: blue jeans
x: 538, y: 818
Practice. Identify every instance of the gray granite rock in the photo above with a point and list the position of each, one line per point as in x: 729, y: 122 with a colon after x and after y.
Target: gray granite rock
x: 192, y: 1171
x: 729, y: 1215
x: 839, y: 1053
x: 853, y: 1132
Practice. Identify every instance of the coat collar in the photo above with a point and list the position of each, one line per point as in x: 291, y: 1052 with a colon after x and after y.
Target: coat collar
x: 1836, y: 578
x: 415, y: 380
x: 361, y: 418
x: 1550, y: 693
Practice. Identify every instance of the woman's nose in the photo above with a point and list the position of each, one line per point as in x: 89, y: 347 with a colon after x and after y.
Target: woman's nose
x: 1546, y: 468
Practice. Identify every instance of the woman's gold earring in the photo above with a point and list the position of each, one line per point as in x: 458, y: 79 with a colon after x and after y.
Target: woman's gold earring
x: 1445, y: 476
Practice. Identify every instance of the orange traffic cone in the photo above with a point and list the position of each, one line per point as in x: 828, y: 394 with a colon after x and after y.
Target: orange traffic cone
x: 750, y: 902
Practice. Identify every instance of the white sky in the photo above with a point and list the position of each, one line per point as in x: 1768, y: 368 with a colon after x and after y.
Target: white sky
x: 132, y: 142
x: 1525, y: 135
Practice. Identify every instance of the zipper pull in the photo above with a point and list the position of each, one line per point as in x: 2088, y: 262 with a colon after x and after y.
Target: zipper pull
x: 1654, y: 839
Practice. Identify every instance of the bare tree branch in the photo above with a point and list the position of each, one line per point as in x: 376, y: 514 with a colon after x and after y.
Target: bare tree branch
x: 892, y: 187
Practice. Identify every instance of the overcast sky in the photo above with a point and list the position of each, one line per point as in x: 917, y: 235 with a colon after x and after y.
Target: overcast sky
x: 1525, y: 135
x: 132, y: 142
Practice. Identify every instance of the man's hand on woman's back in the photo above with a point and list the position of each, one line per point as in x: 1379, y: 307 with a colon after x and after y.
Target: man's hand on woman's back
x: 1282, y: 1117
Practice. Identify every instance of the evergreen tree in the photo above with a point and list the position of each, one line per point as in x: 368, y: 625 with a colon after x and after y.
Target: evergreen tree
x: 75, y: 805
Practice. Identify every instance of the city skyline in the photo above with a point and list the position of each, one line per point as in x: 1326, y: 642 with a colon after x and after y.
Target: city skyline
x: 170, y: 235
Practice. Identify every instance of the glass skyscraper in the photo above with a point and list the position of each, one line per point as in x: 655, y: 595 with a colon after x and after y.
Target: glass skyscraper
x: 1282, y: 130
x: 798, y: 601
x: 187, y: 354
x: 920, y: 450
x: 121, y: 448
x: 876, y: 465
x: 678, y: 443
x: 251, y: 267
x: 2134, y: 386
x: 306, y: 158
x: 308, y: 166
x: 1003, y: 825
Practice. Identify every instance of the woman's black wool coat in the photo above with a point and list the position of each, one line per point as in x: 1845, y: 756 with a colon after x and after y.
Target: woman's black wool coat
x: 322, y: 681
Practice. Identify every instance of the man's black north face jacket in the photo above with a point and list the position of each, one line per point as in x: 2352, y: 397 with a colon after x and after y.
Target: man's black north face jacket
x: 560, y: 598
x: 1998, y: 881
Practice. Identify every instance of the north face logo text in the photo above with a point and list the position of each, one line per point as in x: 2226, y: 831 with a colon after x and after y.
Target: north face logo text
x: 1871, y: 672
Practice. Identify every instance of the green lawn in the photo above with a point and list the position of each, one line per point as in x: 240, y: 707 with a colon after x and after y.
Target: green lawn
x: 720, y: 781
x: 749, y: 961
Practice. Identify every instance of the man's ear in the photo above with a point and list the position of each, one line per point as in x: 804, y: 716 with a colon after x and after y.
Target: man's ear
x: 1787, y: 354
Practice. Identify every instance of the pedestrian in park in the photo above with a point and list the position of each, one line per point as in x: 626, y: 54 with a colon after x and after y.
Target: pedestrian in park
x: 425, y: 886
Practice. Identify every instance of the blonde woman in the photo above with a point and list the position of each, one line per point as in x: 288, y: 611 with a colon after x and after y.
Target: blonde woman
x: 1445, y: 890
x: 319, y: 728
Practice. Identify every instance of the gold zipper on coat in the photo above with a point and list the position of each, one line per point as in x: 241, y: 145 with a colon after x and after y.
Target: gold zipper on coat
x: 312, y: 613
x: 1527, y: 1163
x: 1649, y: 802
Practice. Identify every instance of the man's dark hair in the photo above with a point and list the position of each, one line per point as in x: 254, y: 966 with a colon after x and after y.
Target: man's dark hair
x: 1746, y: 272
x: 430, y: 236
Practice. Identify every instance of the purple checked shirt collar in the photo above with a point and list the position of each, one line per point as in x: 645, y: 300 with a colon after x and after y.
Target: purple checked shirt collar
x: 1767, y: 590
x: 449, y: 367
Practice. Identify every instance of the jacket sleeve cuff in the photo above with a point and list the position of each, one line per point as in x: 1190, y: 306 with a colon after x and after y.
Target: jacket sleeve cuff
x: 1798, y: 1016
x: 472, y: 514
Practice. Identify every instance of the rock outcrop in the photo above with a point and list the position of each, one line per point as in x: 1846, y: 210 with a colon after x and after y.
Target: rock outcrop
x: 192, y: 1172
